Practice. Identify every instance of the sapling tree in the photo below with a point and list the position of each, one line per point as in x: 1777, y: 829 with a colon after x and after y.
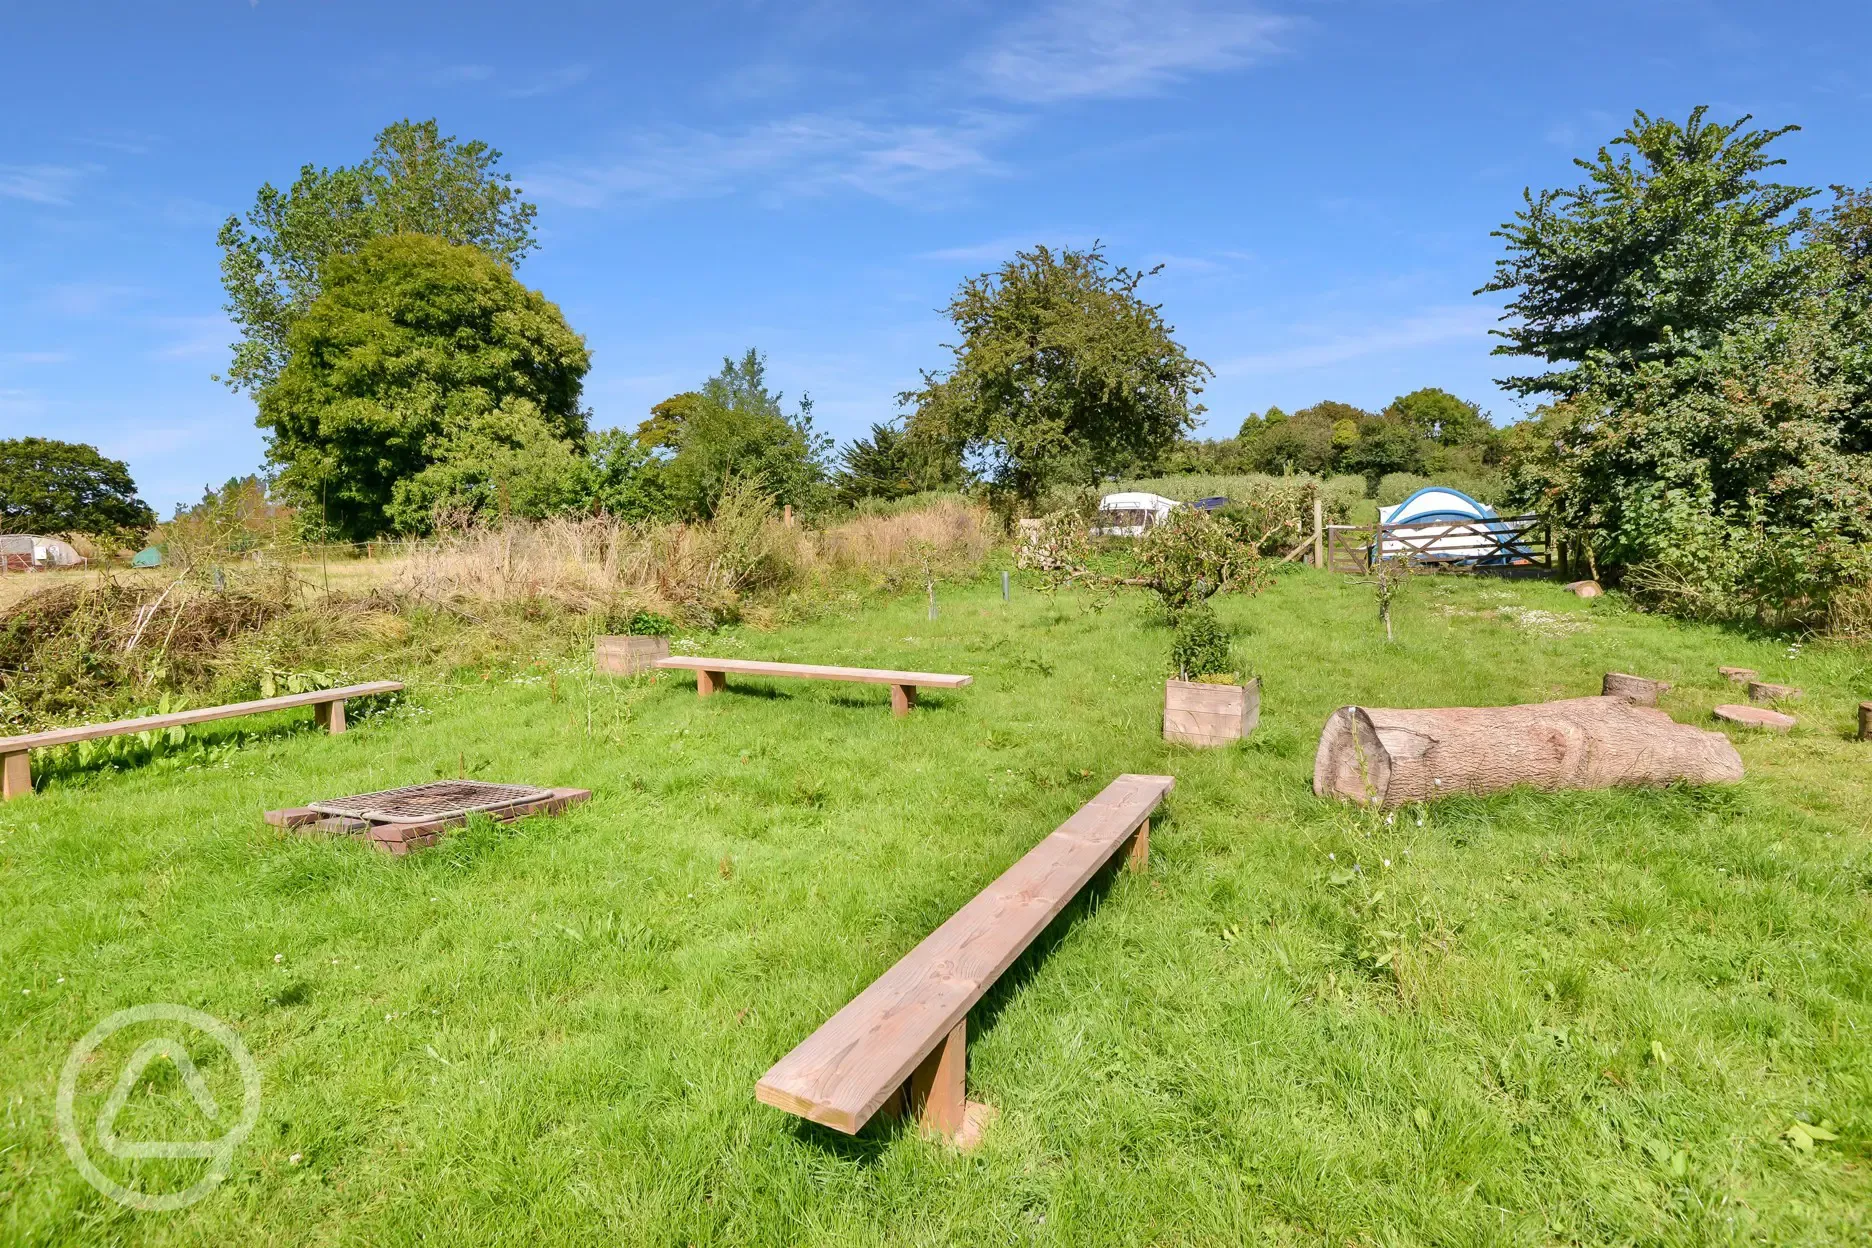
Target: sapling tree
x: 1388, y: 577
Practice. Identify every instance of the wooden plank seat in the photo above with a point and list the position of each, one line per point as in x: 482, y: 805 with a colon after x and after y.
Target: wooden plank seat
x: 900, y: 1045
x: 328, y: 709
x: 712, y: 676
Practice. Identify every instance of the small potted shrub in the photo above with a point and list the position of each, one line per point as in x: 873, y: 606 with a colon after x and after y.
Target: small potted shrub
x: 1206, y: 703
x: 645, y: 640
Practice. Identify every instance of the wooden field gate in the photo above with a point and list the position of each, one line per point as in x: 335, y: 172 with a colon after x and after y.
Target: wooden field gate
x: 1505, y: 546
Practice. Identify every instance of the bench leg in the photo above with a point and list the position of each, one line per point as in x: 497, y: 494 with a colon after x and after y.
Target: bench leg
x: 903, y: 697
x: 15, y: 775
x: 709, y: 682
x: 938, y: 1095
x: 329, y: 715
x: 1137, y: 848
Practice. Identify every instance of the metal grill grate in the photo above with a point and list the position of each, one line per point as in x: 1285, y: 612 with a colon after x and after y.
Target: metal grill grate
x: 439, y: 799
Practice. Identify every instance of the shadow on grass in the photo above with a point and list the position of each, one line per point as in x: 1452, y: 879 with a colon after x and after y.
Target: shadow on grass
x: 883, y: 1129
x: 851, y: 699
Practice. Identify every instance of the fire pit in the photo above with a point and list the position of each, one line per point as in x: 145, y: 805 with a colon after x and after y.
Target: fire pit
x: 399, y: 820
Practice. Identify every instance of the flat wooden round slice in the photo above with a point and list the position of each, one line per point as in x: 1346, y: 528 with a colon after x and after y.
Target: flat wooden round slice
x: 1754, y: 717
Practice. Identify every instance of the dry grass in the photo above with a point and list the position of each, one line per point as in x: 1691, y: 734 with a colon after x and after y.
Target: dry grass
x: 697, y: 573
x: 101, y: 641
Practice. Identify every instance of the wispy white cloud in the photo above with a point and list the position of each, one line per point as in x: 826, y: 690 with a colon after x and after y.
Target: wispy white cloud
x: 549, y: 83
x: 458, y: 75
x: 895, y: 148
x: 804, y: 155
x: 193, y: 337
x: 40, y: 184
x: 128, y: 142
x: 1077, y: 49
x: 88, y: 299
x: 1430, y: 327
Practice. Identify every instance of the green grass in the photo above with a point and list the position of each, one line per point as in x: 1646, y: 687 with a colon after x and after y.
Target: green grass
x: 1531, y: 1019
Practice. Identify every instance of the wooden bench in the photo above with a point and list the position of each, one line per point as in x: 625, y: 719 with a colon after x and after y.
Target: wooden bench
x: 712, y: 676
x: 328, y: 708
x: 900, y: 1045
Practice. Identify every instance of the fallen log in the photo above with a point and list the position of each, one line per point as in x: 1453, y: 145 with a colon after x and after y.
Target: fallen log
x: 1390, y: 757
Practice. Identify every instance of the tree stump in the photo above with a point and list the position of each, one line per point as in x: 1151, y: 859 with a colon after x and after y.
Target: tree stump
x: 1634, y: 689
x: 1865, y: 721
x: 1756, y: 717
x: 1740, y: 675
x: 1390, y: 757
x: 1761, y: 692
x: 1585, y: 589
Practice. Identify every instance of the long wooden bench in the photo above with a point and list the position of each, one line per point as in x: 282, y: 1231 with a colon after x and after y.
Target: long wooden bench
x: 328, y: 709
x: 900, y: 1045
x: 712, y: 676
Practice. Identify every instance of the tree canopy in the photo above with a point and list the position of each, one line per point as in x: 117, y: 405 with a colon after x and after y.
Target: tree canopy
x: 420, y: 355
x: 889, y: 464
x: 1710, y: 445
x: 736, y: 428
x: 1668, y: 242
x: 1062, y: 372
x: 415, y: 181
x: 47, y: 486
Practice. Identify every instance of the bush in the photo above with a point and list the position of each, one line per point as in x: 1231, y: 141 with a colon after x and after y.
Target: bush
x: 1201, y: 646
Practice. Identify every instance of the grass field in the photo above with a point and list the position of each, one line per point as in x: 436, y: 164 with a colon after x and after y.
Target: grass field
x: 1531, y: 1019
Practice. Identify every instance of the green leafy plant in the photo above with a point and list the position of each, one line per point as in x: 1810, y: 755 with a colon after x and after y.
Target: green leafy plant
x: 650, y: 624
x: 1201, y: 647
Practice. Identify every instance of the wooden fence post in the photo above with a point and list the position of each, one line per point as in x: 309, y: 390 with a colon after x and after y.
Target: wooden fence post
x: 1319, y: 548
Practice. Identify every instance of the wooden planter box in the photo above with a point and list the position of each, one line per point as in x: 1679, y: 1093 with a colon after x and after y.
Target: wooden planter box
x: 1204, y: 715
x: 626, y: 656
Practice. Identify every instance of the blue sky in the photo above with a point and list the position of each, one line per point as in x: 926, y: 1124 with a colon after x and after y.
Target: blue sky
x: 1318, y: 179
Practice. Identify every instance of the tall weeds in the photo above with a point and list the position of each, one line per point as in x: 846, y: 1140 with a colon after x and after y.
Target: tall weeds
x: 469, y: 597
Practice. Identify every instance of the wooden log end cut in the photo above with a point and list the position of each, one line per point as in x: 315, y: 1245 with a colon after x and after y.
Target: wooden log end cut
x: 1638, y: 690
x: 1585, y: 589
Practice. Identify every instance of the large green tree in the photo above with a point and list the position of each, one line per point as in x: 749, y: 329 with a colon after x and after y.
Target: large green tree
x: 890, y: 463
x: 735, y: 427
x: 1063, y: 372
x: 47, y: 486
x: 416, y: 181
x: 1671, y: 240
x: 420, y: 352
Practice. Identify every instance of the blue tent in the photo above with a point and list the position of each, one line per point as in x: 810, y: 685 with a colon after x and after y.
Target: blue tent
x: 148, y: 557
x: 1436, y: 505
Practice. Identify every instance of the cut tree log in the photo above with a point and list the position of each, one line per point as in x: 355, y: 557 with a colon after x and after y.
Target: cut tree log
x: 1754, y: 717
x: 1389, y: 757
x: 1740, y: 675
x: 1634, y: 689
x: 1585, y: 589
x: 1865, y: 721
x: 1761, y: 692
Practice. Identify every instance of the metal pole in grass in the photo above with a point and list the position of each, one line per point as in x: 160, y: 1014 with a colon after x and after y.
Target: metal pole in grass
x: 1004, y: 587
